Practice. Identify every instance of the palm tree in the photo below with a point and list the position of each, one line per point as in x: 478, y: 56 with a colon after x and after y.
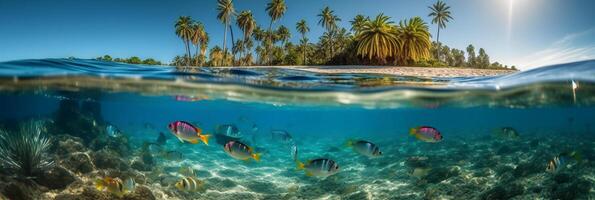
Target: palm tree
x: 357, y: 23
x: 198, y: 35
x: 283, y: 34
x: 238, y: 47
x: 303, y: 28
x: 329, y: 20
x: 184, y: 31
x: 247, y: 24
x: 216, y: 56
x: 440, y: 15
x: 276, y: 9
x: 378, y: 39
x: 415, y: 40
x: 204, y: 44
x: 226, y: 11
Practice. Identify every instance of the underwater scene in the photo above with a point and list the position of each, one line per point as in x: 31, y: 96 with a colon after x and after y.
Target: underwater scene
x: 86, y: 129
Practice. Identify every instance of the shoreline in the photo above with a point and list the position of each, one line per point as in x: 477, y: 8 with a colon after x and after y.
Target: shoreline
x: 438, y: 72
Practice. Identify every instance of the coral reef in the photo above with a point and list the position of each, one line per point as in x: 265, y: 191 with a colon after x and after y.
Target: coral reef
x: 473, y: 168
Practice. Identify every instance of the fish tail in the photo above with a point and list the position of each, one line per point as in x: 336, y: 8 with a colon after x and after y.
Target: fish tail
x: 412, y: 131
x: 99, y: 184
x: 349, y: 143
x: 256, y: 156
x: 300, y: 165
x: 205, y: 138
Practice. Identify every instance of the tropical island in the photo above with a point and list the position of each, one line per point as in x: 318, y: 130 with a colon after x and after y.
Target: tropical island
x: 370, y: 41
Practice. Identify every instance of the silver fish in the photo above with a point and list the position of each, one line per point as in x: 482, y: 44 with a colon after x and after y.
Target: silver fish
x: 294, y: 152
x: 112, y: 131
x: 281, y: 135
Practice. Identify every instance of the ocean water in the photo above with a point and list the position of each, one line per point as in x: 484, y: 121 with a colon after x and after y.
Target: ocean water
x: 551, y: 111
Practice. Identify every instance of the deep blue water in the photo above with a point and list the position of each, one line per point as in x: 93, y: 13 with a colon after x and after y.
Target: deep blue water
x: 322, y: 111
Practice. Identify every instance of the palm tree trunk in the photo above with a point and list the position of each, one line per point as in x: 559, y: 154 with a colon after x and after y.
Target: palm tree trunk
x: 187, y: 53
x: 270, y: 59
x: 196, y: 55
x: 233, y: 43
x: 224, y: 42
x: 438, y: 41
x: 332, y: 43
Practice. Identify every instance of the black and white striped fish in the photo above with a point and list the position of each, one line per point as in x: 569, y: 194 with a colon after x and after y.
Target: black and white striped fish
x: 319, y: 167
x: 189, y: 184
x: 364, y: 148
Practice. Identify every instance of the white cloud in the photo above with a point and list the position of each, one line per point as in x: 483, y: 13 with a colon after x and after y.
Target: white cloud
x: 572, y: 47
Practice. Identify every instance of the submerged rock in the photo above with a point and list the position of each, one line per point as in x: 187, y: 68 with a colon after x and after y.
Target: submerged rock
x: 139, y: 165
x: 66, y: 144
x: 439, y: 174
x: 528, y: 168
x: 140, y: 193
x: 78, y: 162
x: 17, y: 191
x: 573, y: 190
x: 107, y: 159
x: 503, y: 191
x: 56, y: 178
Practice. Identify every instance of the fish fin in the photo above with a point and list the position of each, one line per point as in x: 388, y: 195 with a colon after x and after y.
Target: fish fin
x: 300, y: 165
x: 182, y: 141
x: 204, y: 138
x: 198, y: 130
x: 309, y: 174
x: 412, y: 131
x: 195, y: 141
x: 99, y: 184
x: 256, y: 156
x: 349, y: 143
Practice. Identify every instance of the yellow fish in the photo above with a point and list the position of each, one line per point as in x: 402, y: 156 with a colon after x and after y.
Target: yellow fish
x: 115, y: 185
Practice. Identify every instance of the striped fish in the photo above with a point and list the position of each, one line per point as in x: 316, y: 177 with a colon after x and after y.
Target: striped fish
x: 189, y: 184
x: 319, y: 167
x: 364, y: 148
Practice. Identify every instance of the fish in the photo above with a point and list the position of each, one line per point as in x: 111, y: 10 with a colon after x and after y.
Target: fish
x: 294, y: 152
x: 189, y: 184
x: 365, y: 148
x: 240, y: 151
x: 506, y: 133
x: 187, y: 171
x: 190, y: 98
x: 254, y: 128
x: 112, y: 131
x: 426, y: 134
x: 322, y: 167
x: 420, y: 172
x: 115, y: 185
x: 282, y: 136
x: 561, y: 161
x: 229, y: 130
x: 185, y: 131
x: 161, y: 139
x: 172, y: 155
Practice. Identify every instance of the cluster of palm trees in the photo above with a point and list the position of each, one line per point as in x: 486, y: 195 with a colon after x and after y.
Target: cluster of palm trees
x: 375, y: 40
x: 192, y: 32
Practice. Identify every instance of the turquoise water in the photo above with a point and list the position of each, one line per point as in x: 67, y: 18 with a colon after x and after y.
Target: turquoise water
x: 550, y: 108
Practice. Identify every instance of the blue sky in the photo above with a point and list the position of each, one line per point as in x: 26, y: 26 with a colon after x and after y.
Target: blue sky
x: 538, y: 32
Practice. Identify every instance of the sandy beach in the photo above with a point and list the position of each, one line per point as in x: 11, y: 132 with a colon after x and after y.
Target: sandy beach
x: 399, y: 70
